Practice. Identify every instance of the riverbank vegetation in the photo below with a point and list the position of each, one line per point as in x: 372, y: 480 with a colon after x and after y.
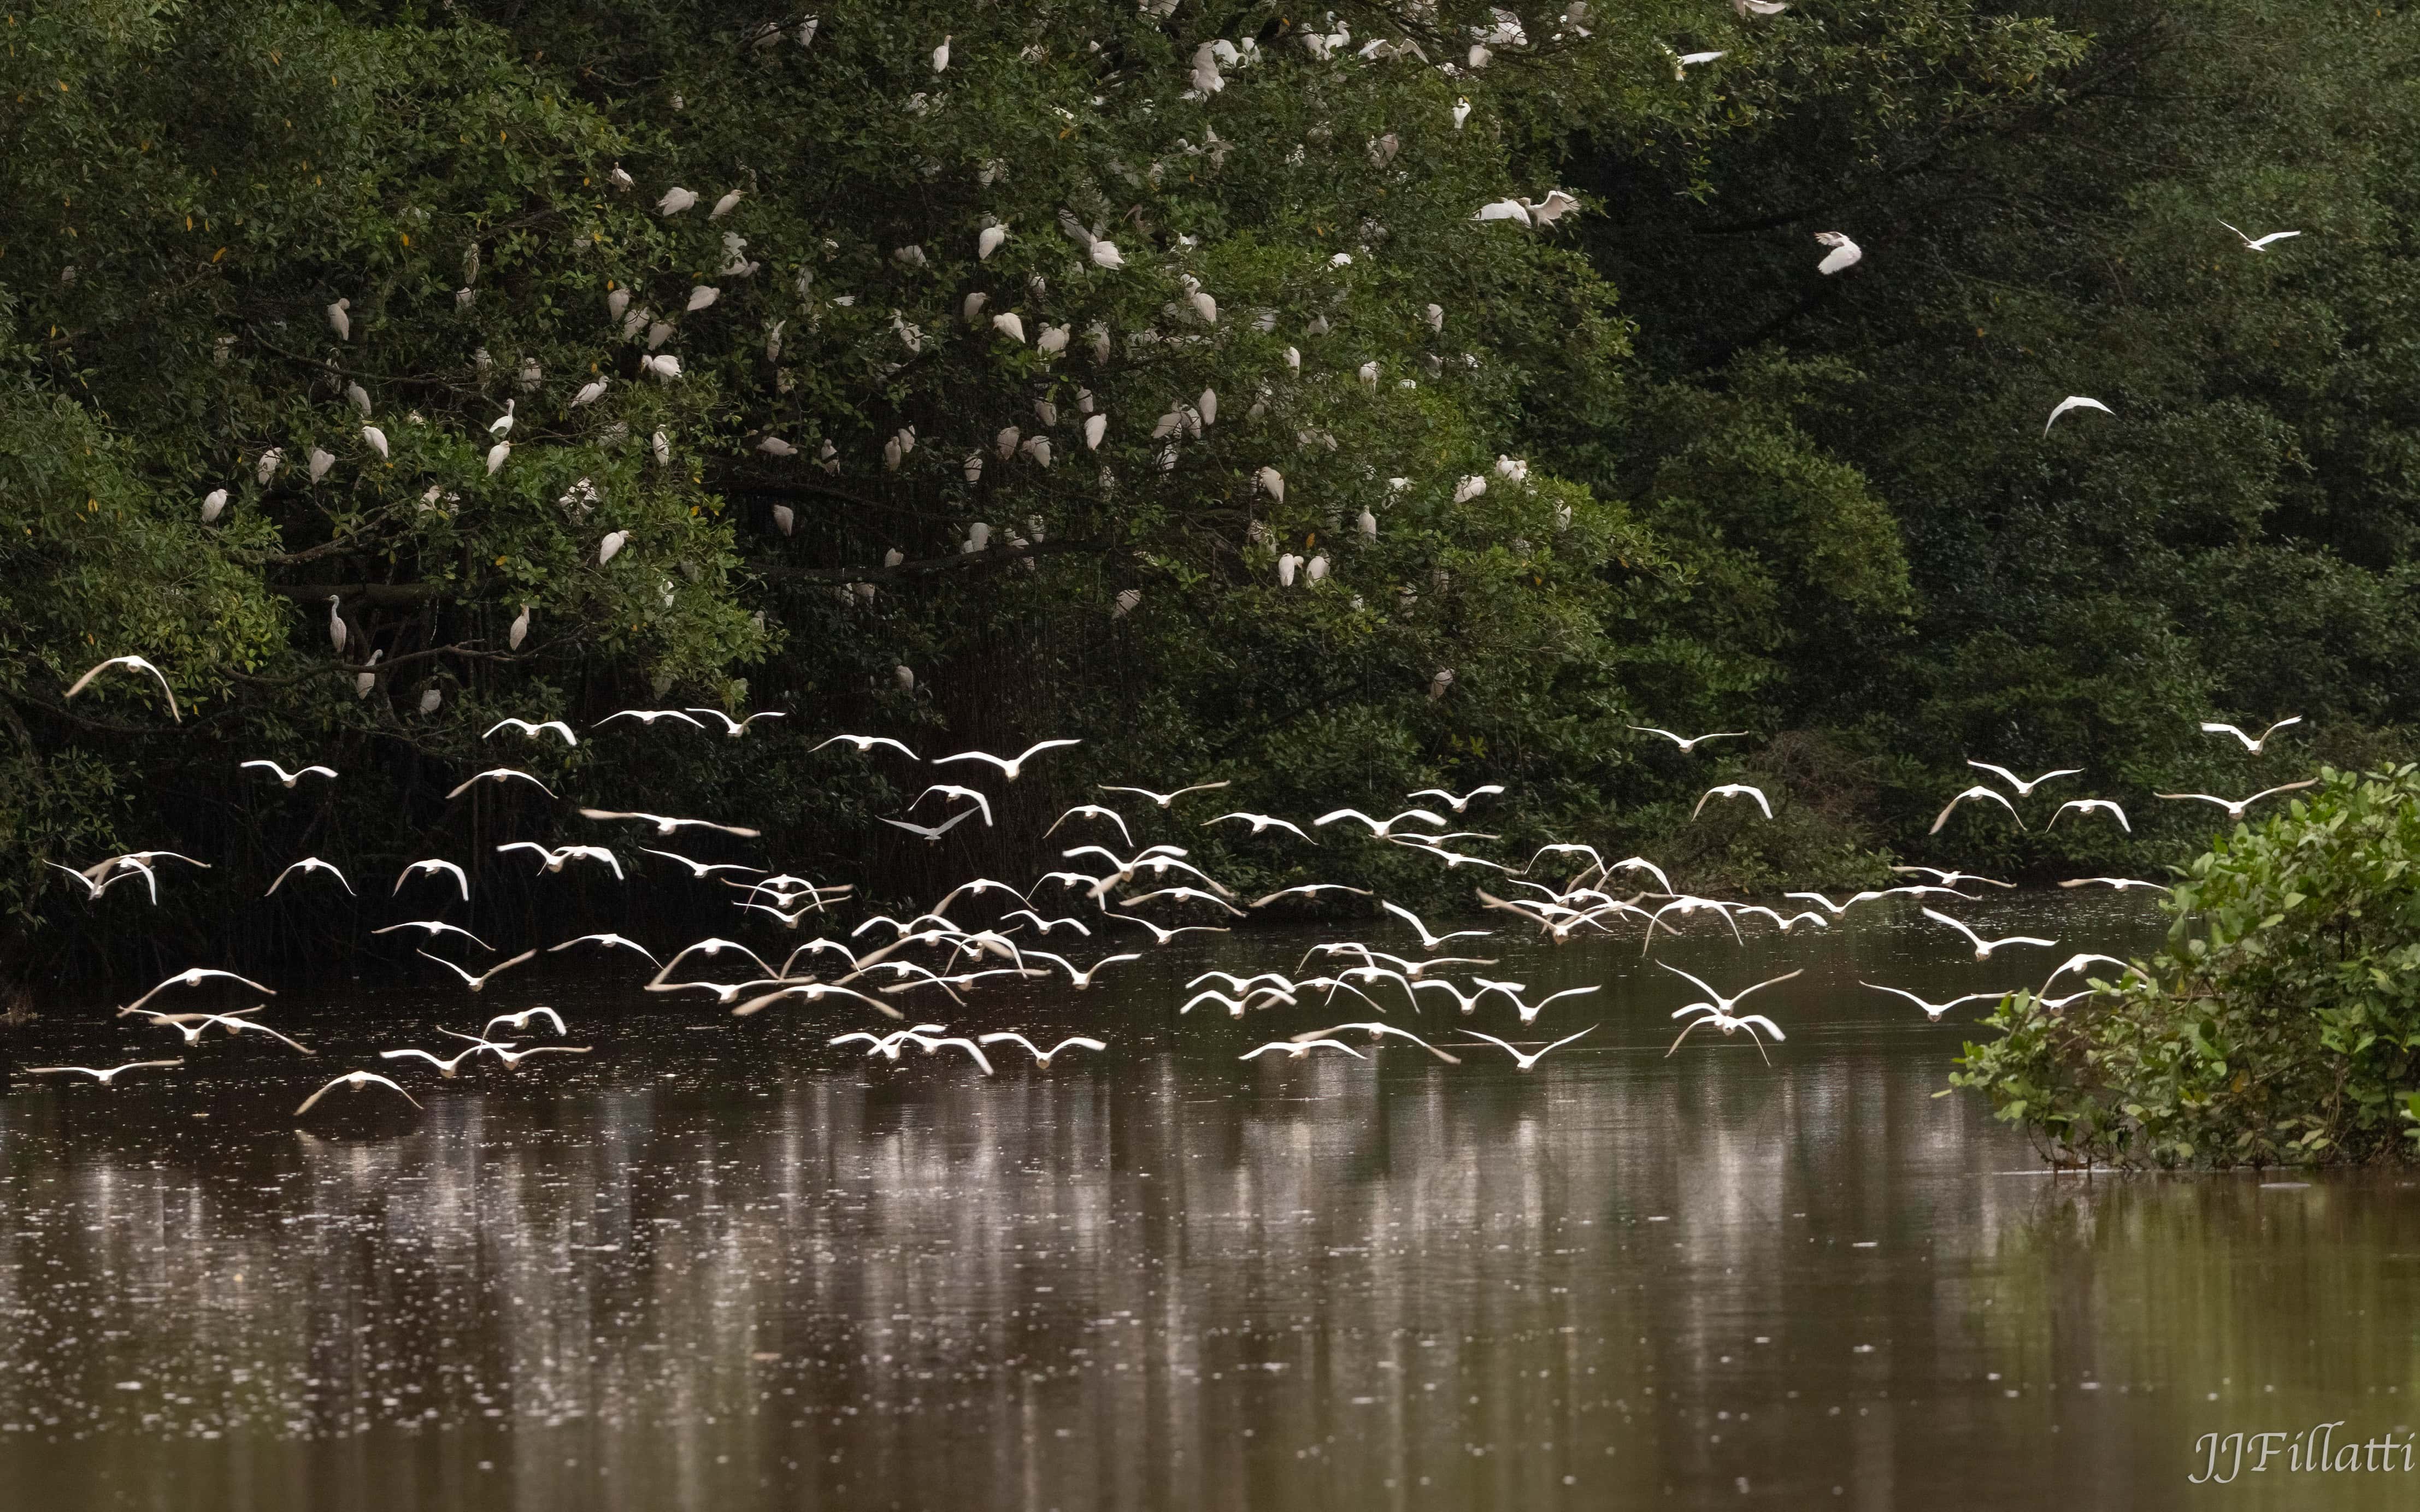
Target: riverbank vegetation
x: 271, y: 273
x: 2281, y: 1026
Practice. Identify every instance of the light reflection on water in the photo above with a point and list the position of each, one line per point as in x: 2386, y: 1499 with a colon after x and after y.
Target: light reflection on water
x: 714, y: 1265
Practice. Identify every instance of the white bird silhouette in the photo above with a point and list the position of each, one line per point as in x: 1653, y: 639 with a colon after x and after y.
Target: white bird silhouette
x: 1984, y: 947
x: 863, y: 743
x: 666, y: 824
x: 193, y: 977
x: 2250, y: 745
x: 533, y: 731
x: 2120, y: 884
x: 429, y: 869
x: 2024, y: 789
x: 675, y: 200
x: 700, y: 871
x: 502, y: 424
x: 2073, y: 401
x: 1844, y: 253
x: 554, y: 861
x: 449, y: 1068
x: 1090, y: 811
x: 1430, y: 942
x: 1525, y: 1060
x: 355, y: 1079
x: 479, y: 983
x: 521, y: 1019
x: 814, y: 992
x: 1377, y: 1030
x: 307, y: 865
x: 1042, y: 1056
x: 1977, y: 791
x: 2077, y: 962
x: 1308, y: 889
x: 1456, y: 804
x: 132, y: 664
x: 1162, y: 936
x: 2261, y: 244
x: 1383, y: 829
x: 289, y: 778
x: 590, y: 393
x: 932, y: 833
x: 1013, y: 768
x: 1296, y: 1049
x: 1934, y: 1010
x: 2093, y: 806
x: 435, y: 928
x: 1732, y: 789
x: 1729, y: 1023
x: 105, y: 1075
x: 648, y: 717
x: 1164, y: 800
x: 736, y: 728
x: 2235, y: 807
x: 1261, y: 822
x: 194, y: 1026
x: 340, y: 321
x: 499, y: 774
x: 952, y: 789
x: 1083, y: 979
x: 1949, y: 879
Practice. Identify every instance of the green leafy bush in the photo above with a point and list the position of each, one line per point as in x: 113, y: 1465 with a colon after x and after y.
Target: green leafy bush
x: 2280, y: 1025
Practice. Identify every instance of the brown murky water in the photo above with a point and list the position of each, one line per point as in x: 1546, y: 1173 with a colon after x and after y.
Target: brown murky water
x: 719, y: 1265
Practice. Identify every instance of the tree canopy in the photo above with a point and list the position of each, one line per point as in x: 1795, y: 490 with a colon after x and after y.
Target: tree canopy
x: 976, y: 374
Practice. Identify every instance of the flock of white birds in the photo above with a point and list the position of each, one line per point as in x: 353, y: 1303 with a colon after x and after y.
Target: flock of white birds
x: 933, y: 956
x: 959, y: 959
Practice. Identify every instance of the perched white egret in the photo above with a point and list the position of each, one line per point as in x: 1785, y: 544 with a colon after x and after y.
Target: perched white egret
x: 675, y: 200
x: 376, y: 440
x: 591, y: 392
x: 340, y: 320
x: 336, y: 634
x: 214, y: 504
x: 728, y: 203
x: 611, y: 545
x: 502, y: 424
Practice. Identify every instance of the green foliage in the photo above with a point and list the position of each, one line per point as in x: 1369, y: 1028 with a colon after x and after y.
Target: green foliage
x: 2282, y: 1024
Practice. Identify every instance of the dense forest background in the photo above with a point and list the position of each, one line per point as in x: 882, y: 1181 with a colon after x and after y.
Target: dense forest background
x: 1722, y: 489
